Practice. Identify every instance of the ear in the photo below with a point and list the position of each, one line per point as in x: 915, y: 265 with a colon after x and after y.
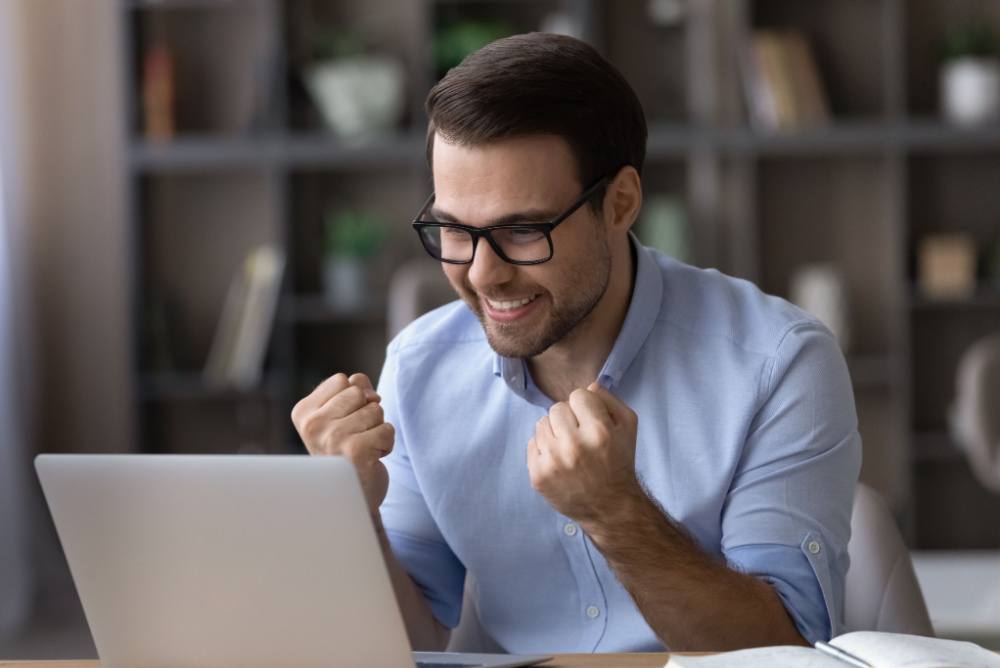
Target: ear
x: 623, y: 200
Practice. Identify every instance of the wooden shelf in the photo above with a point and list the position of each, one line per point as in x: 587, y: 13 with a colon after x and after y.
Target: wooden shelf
x: 323, y: 150
x: 936, y: 135
x: 177, y: 4
x: 667, y: 141
x: 199, y: 153
x: 206, y: 153
x: 854, y: 136
x: 759, y: 204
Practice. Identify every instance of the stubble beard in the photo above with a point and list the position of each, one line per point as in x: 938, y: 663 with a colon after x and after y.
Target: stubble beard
x: 510, y: 339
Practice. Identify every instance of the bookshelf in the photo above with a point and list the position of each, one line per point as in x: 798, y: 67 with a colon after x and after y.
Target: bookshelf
x: 858, y: 192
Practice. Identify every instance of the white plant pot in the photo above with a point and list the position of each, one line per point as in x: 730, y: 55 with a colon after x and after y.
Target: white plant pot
x: 358, y: 97
x: 345, y: 283
x: 970, y: 91
x: 820, y: 290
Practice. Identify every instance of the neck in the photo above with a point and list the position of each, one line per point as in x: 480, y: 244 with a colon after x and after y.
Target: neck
x: 575, y: 361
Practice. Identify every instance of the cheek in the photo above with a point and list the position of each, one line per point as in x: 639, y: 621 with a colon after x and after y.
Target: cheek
x: 456, y: 275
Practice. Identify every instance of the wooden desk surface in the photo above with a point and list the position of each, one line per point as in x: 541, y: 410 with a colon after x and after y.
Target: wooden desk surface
x: 560, y: 661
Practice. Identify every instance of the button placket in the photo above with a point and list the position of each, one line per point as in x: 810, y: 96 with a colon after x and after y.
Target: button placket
x: 590, y: 594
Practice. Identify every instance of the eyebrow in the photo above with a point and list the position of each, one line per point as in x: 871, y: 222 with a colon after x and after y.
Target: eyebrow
x: 526, y: 216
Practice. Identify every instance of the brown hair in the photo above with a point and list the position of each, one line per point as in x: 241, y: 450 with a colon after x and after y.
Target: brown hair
x: 541, y: 83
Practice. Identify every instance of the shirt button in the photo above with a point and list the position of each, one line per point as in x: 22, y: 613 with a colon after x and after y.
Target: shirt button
x: 593, y: 612
x: 814, y: 547
x: 570, y: 529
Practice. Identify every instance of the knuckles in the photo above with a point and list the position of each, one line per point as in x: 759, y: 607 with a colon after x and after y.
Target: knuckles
x: 354, y: 393
x: 311, y: 427
x: 297, y: 412
x: 600, y: 433
x: 375, y: 410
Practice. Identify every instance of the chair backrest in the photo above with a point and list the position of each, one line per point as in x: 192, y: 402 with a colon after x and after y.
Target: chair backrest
x: 469, y: 635
x: 415, y: 288
x: 881, y: 591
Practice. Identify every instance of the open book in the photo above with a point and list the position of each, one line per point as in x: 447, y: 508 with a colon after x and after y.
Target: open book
x: 861, y: 649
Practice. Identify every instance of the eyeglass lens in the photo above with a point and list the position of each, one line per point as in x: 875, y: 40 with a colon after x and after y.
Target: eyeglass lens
x: 521, y: 244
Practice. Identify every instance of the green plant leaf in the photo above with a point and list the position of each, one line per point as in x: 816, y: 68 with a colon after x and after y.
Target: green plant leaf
x: 353, y: 233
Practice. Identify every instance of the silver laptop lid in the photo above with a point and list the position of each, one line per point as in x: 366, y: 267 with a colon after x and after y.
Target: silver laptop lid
x: 224, y: 561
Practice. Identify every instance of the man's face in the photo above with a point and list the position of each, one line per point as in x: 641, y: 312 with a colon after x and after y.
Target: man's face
x: 524, y: 309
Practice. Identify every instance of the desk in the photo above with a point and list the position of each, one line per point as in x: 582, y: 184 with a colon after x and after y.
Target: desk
x: 560, y: 661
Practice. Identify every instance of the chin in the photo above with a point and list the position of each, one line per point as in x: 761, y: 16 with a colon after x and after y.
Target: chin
x: 508, y: 347
x: 524, y: 345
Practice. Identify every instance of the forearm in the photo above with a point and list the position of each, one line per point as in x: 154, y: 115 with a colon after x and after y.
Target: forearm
x: 690, y: 600
x: 426, y: 633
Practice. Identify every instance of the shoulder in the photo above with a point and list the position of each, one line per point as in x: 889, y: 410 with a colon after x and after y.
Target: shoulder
x: 445, y: 349
x: 709, y: 306
x: 443, y: 328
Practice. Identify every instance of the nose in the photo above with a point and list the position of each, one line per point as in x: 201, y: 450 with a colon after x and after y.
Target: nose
x: 487, y: 268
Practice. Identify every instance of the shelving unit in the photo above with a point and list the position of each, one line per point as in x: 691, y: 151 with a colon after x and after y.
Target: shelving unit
x: 858, y: 193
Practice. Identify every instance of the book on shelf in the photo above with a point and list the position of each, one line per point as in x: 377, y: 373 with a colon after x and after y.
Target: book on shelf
x: 158, y: 92
x: 782, y: 83
x: 239, y: 347
x: 862, y: 649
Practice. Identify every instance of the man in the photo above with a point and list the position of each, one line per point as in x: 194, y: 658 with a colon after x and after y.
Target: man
x: 625, y: 452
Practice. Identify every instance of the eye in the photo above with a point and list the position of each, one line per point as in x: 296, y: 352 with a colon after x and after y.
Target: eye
x: 523, y: 235
x: 453, y: 232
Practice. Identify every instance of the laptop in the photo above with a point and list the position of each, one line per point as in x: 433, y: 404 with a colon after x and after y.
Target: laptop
x: 221, y: 561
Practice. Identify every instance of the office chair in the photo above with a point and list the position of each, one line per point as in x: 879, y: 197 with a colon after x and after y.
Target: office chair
x: 415, y: 288
x: 881, y: 592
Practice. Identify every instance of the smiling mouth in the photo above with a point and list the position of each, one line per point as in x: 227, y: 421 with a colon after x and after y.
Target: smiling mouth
x: 510, y: 304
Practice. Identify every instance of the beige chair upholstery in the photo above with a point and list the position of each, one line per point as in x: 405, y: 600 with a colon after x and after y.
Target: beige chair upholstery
x: 469, y: 635
x: 415, y: 288
x: 881, y: 591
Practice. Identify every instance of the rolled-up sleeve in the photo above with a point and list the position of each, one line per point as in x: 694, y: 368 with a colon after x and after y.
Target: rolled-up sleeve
x: 414, y: 536
x: 787, y: 515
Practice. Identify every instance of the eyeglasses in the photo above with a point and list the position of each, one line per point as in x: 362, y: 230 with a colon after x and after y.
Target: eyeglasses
x: 518, y: 243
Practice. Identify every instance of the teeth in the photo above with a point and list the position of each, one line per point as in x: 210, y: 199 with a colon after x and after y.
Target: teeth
x: 508, y: 305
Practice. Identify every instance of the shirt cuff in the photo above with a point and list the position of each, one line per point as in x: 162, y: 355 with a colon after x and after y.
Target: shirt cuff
x: 796, y: 580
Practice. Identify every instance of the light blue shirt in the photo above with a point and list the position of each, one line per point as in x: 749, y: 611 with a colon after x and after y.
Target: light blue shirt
x: 747, y: 437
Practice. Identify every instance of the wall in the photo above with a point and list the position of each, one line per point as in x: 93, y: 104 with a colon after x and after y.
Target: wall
x: 72, y: 213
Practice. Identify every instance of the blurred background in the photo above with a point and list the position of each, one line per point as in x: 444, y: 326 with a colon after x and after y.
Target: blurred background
x: 204, y: 210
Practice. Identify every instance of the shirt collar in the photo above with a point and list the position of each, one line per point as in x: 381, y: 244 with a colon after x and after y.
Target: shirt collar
x: 644, y: 308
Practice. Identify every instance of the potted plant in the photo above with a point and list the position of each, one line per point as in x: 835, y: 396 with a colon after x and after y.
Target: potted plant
x: 359, y: 94
x: 970, y: 75
x: 351, y: 238
x: 453, y: 42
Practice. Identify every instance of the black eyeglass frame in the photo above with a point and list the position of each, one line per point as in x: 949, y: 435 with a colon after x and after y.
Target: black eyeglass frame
x: 487, y: 232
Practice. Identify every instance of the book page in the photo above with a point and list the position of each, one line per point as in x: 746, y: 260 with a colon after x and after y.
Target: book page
x: 898, y: 650
x: 769, y: 657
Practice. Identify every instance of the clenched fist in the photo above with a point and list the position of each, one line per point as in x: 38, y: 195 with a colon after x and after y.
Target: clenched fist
x: 343, y: 416
x: 582, y: 456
